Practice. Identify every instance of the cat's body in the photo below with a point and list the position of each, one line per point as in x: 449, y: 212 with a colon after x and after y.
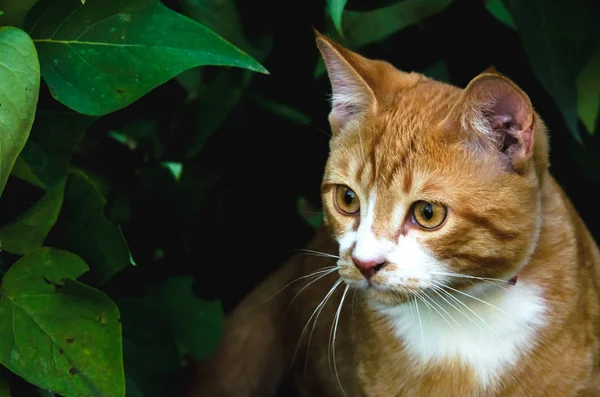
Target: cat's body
x: 450, y: 201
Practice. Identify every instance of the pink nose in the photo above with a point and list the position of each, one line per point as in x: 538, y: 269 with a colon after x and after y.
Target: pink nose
x: 368, y: 267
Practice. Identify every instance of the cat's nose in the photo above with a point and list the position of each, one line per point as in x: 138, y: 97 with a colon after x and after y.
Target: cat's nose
x: 368, y: 267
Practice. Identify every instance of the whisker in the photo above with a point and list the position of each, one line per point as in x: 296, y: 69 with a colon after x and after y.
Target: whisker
x: 320, y: 276
x: 335, y: 285
x: 474, y: 297
x: 318, y: 129
x: 317, y: 253
x: 459, y: 275
x: 471, y: 310
x: 433, y: 307
x: 445, y: 300
x: 460, y: 302
x: 420, y: 323
x: 312, y: 331
x: 336, y: 321
x: 317, y: 272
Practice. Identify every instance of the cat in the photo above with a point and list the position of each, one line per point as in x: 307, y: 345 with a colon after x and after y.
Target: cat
x: 450, y: 262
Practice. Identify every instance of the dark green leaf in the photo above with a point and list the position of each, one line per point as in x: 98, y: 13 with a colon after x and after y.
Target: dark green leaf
x: 588, y: 93
x: 147, y: 336
x: 104, y: 55
x: 362, y: 28
x: 282, y: 110
x: 559, y: 37
x: 19, y: 89
x: 14, y: 11
x: 83, y: 229
x: 336, y: 9
x: 57, y: 333
x: 309, y: 213
x: 228, y: 86
x: 45, y: 158
x: 499, y: 11
x: 197, y: 324
x: 29, y: 230
x: 438, y: 71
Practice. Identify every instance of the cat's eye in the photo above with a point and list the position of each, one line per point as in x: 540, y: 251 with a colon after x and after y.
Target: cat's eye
x: 346, y: 200
x: 428, y: 215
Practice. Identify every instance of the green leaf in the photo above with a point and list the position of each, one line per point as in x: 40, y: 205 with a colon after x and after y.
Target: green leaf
x: 282, y: 110
x: 310, y: 215
x: 147, y: 336
x: 197, y: 324
x: 57, y: 333
x: 15, y: 11
x: 83, y: 229
x: 362, y: 28
x: 228, y: 86
x: 438, y: 71
x: 45, y: 159
x: 101, y: 57
x: 19, y: 89
x: 588, y: 93
x: 336, y: 9
x: 29, y: 230
x: 559, y: 38
x: 499, y: 11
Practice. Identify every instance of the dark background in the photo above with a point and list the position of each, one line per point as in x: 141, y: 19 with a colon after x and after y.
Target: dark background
x: 233, y: 216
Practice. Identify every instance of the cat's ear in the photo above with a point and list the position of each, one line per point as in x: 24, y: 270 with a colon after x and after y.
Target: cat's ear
x: 352, y: 96
x: 500, y: 116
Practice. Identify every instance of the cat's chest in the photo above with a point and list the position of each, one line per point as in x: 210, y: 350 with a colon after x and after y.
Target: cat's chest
x: 454, y: 337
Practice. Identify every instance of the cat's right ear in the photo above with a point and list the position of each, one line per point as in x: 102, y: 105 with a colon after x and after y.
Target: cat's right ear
x: 352, y: 96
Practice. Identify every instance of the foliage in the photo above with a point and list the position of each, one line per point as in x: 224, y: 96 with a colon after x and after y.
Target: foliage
x: 141, y: 182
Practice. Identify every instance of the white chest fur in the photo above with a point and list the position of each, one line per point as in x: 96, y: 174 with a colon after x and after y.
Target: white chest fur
x: 488, y: 339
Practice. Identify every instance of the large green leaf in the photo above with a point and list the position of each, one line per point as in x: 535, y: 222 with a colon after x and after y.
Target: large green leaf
x: 83, y: 229
x: 29, y: 231
x: 336, y: 10
x: 197, y: 324
x: 57, y: 333
x: 45, y: 159
x: 19, y: 89
x: 104, y: 55
x: 588, y: 93
x: 559, y: 37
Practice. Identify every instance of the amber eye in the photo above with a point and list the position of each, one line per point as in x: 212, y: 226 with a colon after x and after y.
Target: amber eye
x: 346, y: 200
x: 428, y: 215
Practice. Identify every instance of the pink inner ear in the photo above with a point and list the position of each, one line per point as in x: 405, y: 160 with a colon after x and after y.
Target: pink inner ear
x: 507, y: 111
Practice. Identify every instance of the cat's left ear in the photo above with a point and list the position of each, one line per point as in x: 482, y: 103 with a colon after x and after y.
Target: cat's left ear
x: 352, y: 95
x: 499, y: 115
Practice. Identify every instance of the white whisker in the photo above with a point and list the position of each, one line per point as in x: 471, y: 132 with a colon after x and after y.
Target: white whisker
x: 471, y: 310
x: 320, y: 276
x: 459, y: 275
x: 460, y: 302
x: 473, y: 297
x: 315, y: 273
x: 422, y: 297
x: 318, y: 253
x: 336, y: 321
x: 335, y: 285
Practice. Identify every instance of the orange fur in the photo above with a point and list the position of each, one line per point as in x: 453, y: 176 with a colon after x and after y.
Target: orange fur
x: 410, y: 138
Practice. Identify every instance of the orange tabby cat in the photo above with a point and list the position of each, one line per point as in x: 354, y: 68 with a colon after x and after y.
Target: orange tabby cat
x: 452, y: 263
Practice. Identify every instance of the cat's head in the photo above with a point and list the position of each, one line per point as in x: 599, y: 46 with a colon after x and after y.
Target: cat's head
x: 428, y: 184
